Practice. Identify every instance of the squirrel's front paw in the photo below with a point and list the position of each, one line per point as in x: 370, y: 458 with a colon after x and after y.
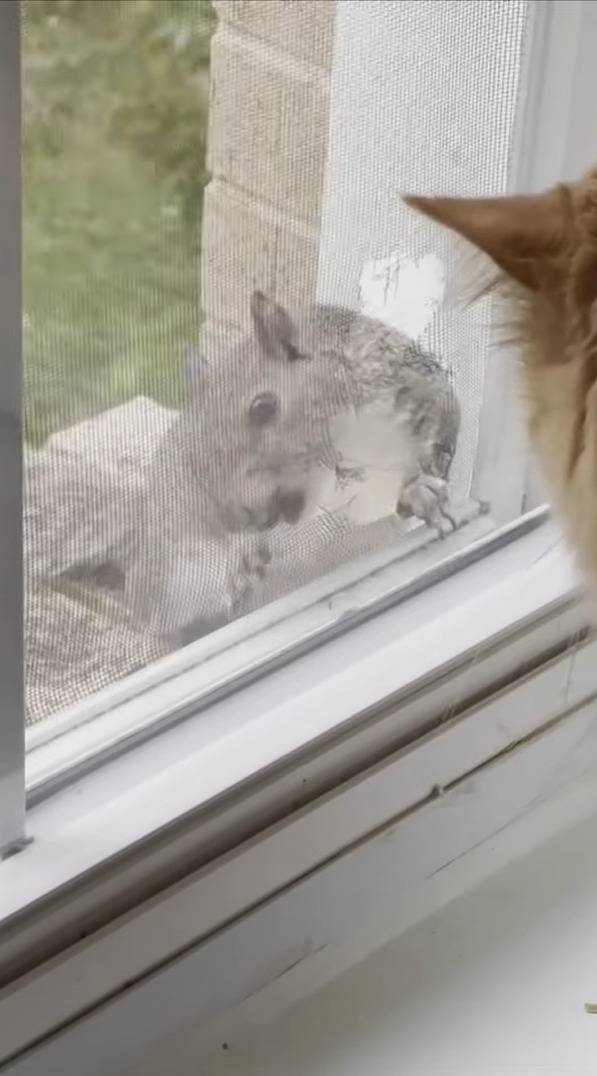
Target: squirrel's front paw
x: 426, y: 497
x: 248, y: 575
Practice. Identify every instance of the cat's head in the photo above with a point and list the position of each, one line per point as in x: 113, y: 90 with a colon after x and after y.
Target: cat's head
x: 544, y: 246
x: 544, y: 252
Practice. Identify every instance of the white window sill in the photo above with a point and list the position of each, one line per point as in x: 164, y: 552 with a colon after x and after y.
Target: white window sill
x: 365, y: 684
x: 316, y: 767
x: 493, y: 985
x: 186, y: 687
x: 306, y: 933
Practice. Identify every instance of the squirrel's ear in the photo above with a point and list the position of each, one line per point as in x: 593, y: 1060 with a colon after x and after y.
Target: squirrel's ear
x: 274, y: 328
x: 523, y: 234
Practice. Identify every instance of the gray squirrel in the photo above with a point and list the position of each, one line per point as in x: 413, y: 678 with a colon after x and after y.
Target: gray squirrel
x: 261, y: 435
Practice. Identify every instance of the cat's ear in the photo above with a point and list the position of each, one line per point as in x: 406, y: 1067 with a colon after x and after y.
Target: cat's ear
x: 523, y: 234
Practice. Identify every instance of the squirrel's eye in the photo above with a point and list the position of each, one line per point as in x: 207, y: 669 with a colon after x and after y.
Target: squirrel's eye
x: 263, y: 409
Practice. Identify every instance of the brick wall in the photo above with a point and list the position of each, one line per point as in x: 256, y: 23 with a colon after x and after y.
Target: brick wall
x: 270, y: 72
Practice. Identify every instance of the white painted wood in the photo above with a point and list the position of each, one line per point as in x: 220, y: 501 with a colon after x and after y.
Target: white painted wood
x: 374, y: 891
x: 203, y: 903
x: 493, y: 985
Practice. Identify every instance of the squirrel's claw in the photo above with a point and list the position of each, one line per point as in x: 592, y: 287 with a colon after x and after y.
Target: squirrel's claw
x: 426, y: 497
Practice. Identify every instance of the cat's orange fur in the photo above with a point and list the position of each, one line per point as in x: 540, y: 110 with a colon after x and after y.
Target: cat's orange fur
x: 545, y: 249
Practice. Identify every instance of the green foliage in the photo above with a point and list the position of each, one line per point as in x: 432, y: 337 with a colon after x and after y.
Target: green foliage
x: 114, y: 137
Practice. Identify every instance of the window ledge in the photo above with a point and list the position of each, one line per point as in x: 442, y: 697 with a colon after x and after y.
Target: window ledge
x: 317, y: 886
x: 167, y: 692
x: 330, y: 719
x: 188, y: 683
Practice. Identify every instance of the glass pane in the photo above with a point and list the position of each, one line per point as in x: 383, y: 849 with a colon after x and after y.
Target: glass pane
x: 240, y: 368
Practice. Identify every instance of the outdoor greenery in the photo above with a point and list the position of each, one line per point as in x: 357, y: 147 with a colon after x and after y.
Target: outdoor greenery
x: 115, y: 97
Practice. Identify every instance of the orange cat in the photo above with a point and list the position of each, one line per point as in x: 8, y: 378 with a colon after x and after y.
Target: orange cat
x: 545, y: 249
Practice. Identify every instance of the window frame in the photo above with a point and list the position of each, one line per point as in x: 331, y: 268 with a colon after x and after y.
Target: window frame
x: 82, y: 737
x: 106, y: 849
x: 86, y: 963
x: 12, y: 745
x: 186, y: 683
x: 129, y: 837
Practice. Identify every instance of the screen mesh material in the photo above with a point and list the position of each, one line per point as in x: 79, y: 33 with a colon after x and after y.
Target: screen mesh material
x: 424, y: 97
x: 240, y: 371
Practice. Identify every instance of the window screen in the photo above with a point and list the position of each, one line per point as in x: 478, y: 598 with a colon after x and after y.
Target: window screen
x: 241, y: 370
